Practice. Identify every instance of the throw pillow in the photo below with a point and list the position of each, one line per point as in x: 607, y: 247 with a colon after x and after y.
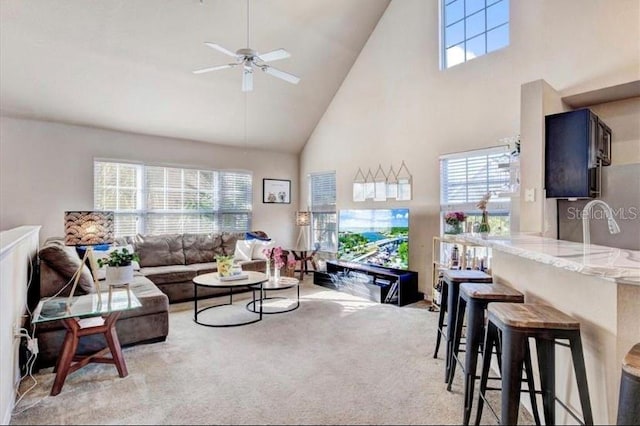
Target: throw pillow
x: 65, y: 261
x: 259, y: 247
x: 257, y: 235
x: 244, y: 250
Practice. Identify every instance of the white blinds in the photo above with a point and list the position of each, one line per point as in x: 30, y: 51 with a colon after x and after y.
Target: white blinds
x: 117, y: 187
x: 466, y: 177
x: 322, y: 195
x: 323, y: 192
x: 173, y: 200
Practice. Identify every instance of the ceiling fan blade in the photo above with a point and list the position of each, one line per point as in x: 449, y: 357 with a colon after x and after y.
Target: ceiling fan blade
x: 281, y: 74
x: 247, y: 80
x: 274, y: 55
x: 221, y: 49
x: 219, y: 67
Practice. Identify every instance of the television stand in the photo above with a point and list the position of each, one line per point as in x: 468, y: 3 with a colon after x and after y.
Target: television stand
x: 377, y: 283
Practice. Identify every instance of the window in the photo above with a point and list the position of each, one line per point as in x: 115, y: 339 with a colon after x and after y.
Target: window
x: 472, y: 28
x: 466, y: 177
x: 162, y: 200
x: 322, y: 192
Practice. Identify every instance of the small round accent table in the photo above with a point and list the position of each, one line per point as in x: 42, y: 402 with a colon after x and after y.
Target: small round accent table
x: 255, y: 281
x: 272, y: 285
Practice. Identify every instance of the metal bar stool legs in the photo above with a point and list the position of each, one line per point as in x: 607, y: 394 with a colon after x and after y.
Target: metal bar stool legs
x: 517, y: 322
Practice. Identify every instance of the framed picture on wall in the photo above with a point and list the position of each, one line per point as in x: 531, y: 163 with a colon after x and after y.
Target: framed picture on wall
x: 276, y: 191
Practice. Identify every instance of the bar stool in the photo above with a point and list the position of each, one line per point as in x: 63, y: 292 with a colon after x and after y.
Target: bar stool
x: 449, y: 306
x: 473, y: 302
x: 629, y: 400
x: 517, y: 322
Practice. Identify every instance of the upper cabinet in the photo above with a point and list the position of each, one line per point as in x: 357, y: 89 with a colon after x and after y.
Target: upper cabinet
x: 577, y: 145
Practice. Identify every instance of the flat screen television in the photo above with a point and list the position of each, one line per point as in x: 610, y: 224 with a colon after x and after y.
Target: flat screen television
x: 378, y: 237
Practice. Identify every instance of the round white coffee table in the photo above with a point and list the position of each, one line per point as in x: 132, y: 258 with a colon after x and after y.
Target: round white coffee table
x: 274, y: 285
x: 255, y: 281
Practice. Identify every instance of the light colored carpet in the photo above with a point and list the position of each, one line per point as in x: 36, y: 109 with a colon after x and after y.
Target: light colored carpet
x: 337, y: 359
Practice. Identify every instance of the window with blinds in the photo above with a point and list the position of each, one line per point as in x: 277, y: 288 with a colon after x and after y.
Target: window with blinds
x: 466, y: 177
x: 322, y: 195
x: 173, y: 200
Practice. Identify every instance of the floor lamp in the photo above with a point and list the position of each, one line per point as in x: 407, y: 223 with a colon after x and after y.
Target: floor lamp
x: 87, y: 228
x: 303, y: 220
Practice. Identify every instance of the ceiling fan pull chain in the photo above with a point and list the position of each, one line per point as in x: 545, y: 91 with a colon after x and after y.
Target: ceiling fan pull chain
x: 248, y: 44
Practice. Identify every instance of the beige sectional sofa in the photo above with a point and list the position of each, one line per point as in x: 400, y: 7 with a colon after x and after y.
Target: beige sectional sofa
x: 168, y: 263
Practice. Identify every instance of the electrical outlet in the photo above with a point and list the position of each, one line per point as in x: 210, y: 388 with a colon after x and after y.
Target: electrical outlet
x: 530, y: 195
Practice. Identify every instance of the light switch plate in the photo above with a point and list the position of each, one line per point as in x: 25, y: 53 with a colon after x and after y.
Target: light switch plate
x: 530, y: 195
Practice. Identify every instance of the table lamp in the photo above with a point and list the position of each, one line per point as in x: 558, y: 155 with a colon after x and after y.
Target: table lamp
x: 87, y: 228
x: 303, y: 219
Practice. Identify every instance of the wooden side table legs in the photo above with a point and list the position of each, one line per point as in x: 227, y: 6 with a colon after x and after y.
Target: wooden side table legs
x: 68, y: 362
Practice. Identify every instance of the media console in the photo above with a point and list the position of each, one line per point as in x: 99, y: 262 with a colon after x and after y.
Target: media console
x: 376, y: 283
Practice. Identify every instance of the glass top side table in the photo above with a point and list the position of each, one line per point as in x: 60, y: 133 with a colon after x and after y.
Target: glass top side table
x: 86, y: 315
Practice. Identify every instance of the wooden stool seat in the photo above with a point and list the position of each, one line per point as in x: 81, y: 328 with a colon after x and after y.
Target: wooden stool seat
x: 631, y: 361
x: 472, y: 275
x: 531, y: 315
x: 490, y: 292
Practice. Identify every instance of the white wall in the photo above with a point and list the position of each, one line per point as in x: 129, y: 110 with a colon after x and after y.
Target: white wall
x: 47, y: 168
x: 397, y: 105
x: 18, y: 248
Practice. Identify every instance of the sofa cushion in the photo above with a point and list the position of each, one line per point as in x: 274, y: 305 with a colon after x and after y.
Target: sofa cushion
x: 168, y: 274
x: 229, y: 242
x: 159, y: 250
x: 200, y: 248
x: 204, y: 268
x: 65, y: 261
x: 151, y: 298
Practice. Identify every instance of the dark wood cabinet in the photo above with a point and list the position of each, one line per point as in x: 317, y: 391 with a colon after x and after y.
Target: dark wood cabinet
x: 577, y: 145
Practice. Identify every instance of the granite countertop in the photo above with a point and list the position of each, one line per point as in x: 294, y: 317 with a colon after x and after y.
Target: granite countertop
x: 613, y: 264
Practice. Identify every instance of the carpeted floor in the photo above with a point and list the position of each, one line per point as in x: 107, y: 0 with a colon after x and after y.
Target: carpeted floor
x: 337, y: 359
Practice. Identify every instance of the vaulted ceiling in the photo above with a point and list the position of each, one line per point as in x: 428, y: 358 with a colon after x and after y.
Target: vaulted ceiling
x: 127, y: 65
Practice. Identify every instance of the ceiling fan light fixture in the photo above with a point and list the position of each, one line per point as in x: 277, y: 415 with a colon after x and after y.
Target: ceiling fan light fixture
x: 250, y: 60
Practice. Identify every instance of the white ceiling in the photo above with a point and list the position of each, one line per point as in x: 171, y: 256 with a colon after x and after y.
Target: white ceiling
x: 126, y: 65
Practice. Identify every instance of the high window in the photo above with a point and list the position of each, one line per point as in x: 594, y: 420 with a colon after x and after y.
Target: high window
x: 322, y: 194
x: 161, y: 200
x: 466, y: 177
x: 472, y: 28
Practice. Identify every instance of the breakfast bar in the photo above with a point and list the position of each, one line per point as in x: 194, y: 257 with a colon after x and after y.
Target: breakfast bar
x: 597, y: 285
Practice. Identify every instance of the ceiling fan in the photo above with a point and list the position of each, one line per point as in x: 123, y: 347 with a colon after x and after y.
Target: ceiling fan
x: 249, y: 60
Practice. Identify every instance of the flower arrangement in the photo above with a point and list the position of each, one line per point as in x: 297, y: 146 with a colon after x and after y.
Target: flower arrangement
x: 454, y: 221
x: 454, y: 218
x: 274, y: 255
x: 225, y: 263
x: 482, y: 205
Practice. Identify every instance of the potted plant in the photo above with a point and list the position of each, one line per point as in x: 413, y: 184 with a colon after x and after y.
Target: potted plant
x: 119, y: 266
x: 225, y: 264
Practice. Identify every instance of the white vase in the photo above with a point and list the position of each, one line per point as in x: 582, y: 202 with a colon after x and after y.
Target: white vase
x: 276, y: 274
x: 117, y: 275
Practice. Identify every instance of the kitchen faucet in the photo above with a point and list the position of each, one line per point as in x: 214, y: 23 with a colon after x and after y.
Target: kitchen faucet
x: 586, y: 215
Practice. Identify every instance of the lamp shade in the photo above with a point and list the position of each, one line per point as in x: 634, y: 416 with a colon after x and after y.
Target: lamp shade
x: 86, y: 228
x: 303, y: 218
